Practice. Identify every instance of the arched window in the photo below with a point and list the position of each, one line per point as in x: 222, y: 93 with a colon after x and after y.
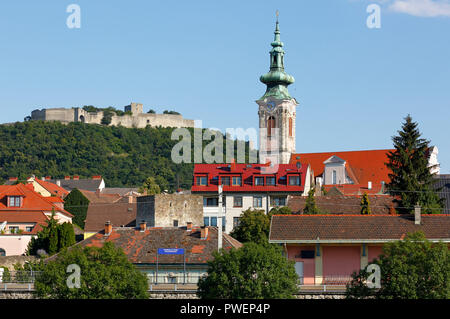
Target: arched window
x: 2, y: 252
x: 82, y: 118
x: 270, y: 125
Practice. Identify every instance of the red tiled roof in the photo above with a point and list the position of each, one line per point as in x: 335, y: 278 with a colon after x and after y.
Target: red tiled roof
x: 32, y: 201
x: 382, y: 228
x: 379, y: 204
x: 365, y: 166
x: 141, y: 247
x: 38, y: 218
x: 52, y: 188
x: 247, y: 172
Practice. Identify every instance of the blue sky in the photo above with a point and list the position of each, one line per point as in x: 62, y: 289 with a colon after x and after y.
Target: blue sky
x: 204, y: 58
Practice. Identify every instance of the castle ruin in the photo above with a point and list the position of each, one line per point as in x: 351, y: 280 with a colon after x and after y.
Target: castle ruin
x: 137, y: 118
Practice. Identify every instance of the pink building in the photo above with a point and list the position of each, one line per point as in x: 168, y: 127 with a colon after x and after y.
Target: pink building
x: 23, y: 211
x: 327, y: 249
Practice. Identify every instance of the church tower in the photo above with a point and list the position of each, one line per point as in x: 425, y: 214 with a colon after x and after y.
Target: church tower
x: 276, y: 109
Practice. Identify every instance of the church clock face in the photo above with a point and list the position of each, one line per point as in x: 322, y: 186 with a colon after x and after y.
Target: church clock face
x: 271, y: 106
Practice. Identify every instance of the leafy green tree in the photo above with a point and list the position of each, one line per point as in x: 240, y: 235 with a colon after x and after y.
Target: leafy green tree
x: 365, y: 205
x: 254, y: 226
x: 77, y: 204
x: 310, y: 205
x: 105, y: 273
x: 150, y: 186
x: 250, y: 272
x: 413, y: 268
x: 285, y: 210
x: 411, y: 178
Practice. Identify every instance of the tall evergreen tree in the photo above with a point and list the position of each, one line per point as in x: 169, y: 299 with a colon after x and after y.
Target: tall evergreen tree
x: 365, y: 205
x: 310, y: 205
x: 77, y: 204
x: 411, y: 179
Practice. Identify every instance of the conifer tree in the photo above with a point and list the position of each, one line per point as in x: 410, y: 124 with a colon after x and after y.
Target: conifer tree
x: 310, y: 206
x: 365, y: 205
x: 411, y: 179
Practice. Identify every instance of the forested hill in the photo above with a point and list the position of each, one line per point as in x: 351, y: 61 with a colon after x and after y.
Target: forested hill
x: 122, y: 156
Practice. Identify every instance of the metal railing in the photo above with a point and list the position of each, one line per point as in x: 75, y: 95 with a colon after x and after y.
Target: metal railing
x: 19, y: 276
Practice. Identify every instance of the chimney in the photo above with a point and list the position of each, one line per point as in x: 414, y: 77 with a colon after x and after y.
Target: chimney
x: 67, y: 178
x: 13, y: 179
x: 76, y: 177
x: 97, y: 192
x: 108, y: 228
x: 369, y: 185
x: 48, y: 178
x: 204, y: 233
x: 130, y: 199
x: 97, y: 177
x: 58, y: 182
x: 143, y: 225
x: 189, y: 226
x: 417, y: 214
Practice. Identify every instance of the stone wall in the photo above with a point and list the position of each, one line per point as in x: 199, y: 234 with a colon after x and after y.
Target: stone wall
x: 10, y: 261
x: 162, y: 209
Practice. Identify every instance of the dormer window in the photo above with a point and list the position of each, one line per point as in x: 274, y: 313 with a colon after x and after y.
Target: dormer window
x: 202, y: 180
x: 14, y: 201
x: 294, y: 180
x: 259, y: 181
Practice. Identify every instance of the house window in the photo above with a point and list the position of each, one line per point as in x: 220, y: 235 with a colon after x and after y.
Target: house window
x: 294, y: 180
x: 237, y: 201
x: 2, y: 252
x: 29, y: 229
x: 259, y: 181
x: 237, y: 181
x: 236, y: 221
x: 210, y: 201
x: 175, y: 223
x: 270, y: 181
x: 225, y: 180
x: 278, y: 201
x: 333, y: 181
x: 202, y: 180
x: 14, y: 201
x: 257, y: 201
x: 307, y: 254
x: 214, y: 221
x: 206, y: 221
x: 14, y: 229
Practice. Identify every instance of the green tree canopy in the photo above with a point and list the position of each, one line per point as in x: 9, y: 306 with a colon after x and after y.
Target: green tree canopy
x: 105, y: 273
x: 253, y: 271
x: 284, y: 210
x: 411, y: 178
x: 310, y: 205
x: 254, y: 226
x: 150, y: 186
x: 413, y: 268
x: 77, y: 204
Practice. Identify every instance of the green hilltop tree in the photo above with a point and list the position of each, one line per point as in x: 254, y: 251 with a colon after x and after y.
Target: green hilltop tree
x: 150, y: 186
x: 412, y: 268
x: 254, y: 226
x: 105, y: 273
x: 365, y: 205
x: 77, y: 204
x: 250, y: 272
x: 310, y: 205
x: 411, y: 179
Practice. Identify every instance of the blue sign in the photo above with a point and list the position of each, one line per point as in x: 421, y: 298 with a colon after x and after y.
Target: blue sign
x: 170, y: 251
